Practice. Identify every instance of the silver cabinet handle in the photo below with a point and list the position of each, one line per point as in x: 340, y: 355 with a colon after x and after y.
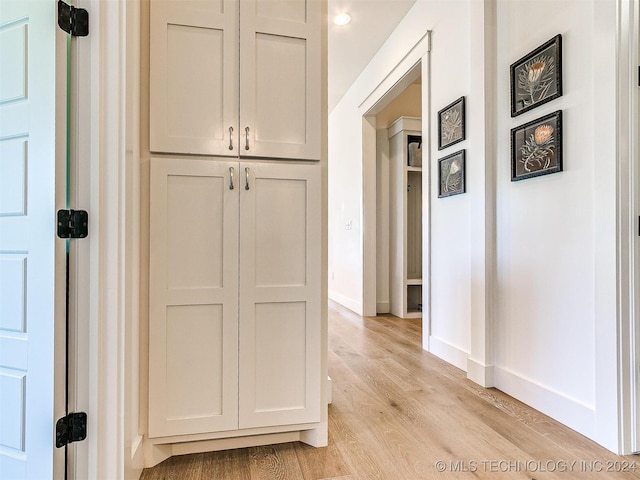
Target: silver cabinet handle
x: 246, y: 134
x: 246, y: 178
x: 231, y: 171
x: 230, y: 138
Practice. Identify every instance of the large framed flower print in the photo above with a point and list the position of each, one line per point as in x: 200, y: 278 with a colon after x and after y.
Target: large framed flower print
x: 536, y: 147
x: 537, y: 77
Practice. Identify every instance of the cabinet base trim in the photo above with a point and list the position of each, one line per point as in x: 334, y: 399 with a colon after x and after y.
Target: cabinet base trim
x: 156, y: 453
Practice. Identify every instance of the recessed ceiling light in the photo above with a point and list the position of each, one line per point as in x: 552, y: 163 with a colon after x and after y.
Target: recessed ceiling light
x: 342, y: 19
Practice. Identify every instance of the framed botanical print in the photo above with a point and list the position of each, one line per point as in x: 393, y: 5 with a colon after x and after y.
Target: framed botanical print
x: 451, y: 174
x: 537, y: 77
x: 536, y: 147
x: 451, y: 124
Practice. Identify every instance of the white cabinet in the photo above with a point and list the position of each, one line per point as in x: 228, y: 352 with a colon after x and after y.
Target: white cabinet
x: 234, y: 329
x: 236, y: 78
x: 405, y: 217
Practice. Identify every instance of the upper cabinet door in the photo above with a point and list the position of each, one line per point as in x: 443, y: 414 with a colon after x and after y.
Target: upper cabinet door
x: 280, y: 78
x: 194, y: 77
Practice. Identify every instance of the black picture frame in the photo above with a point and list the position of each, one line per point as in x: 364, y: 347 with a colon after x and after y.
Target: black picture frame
x: 536, y: 147
x: 536, y: 78
x: 451, y: 174
x: 451, y: 124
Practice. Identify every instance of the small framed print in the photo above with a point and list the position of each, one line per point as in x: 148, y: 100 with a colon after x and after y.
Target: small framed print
x: 451, y: 174
x: 536, y: 147
x: 451, y: 124
x: 537, y: 77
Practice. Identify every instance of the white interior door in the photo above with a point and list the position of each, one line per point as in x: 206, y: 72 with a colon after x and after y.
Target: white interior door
x: 28, y: 273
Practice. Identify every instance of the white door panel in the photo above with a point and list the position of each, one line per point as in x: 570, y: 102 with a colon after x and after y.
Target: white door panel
x: 13, y: 177
x: 27, y: 238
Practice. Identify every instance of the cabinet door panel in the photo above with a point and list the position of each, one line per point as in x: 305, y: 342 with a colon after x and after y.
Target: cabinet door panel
x: 280, y: 296
x: 195, y: 240
x: 280, y: 356
x: 193, y: 291
x: 280, y: 104
x: 280, y: 240
x: 194, y: 77
x: 193, y: 101
x: 280, y: 78
x: 194, y: 338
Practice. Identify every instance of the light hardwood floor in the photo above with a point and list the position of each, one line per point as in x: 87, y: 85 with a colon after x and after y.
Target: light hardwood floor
x: 399, y: 413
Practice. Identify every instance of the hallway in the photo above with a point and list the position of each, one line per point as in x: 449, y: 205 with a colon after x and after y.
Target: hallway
x: 399, y: 413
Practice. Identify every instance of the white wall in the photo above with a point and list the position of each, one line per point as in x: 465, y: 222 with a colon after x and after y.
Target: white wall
x: 533, y: 271
x: 548, y: 227
x: 344, y: 222
x: 450, y: 216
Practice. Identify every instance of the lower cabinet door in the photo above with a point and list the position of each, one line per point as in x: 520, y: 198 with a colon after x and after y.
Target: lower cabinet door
x: 279, y: 382
x: 193, y: 317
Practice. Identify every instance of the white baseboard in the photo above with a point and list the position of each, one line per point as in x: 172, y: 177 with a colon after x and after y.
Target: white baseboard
x: 480, y: 373
x: 383, y: 307
x: 449, y: 353
x: 569, y: 411
x: 346, y: 302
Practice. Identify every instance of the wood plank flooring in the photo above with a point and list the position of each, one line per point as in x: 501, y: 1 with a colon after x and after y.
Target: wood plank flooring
x: 399, y: 413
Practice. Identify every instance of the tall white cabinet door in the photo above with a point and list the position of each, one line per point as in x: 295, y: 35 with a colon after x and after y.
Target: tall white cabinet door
x: 193, y: 324
x: 194, y: 77
x: 280, y: 78
x: 279, y: 295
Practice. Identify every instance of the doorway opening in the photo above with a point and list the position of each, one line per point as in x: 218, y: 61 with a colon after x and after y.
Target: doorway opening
x: 392, y: 151
x: 398, y: 205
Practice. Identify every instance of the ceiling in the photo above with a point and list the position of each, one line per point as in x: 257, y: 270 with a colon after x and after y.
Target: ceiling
x: 351, y: 47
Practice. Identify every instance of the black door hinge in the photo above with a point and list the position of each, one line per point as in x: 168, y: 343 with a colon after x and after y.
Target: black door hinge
x: 73, y: 223
x: 71, y: 428
x: 74, y: 21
